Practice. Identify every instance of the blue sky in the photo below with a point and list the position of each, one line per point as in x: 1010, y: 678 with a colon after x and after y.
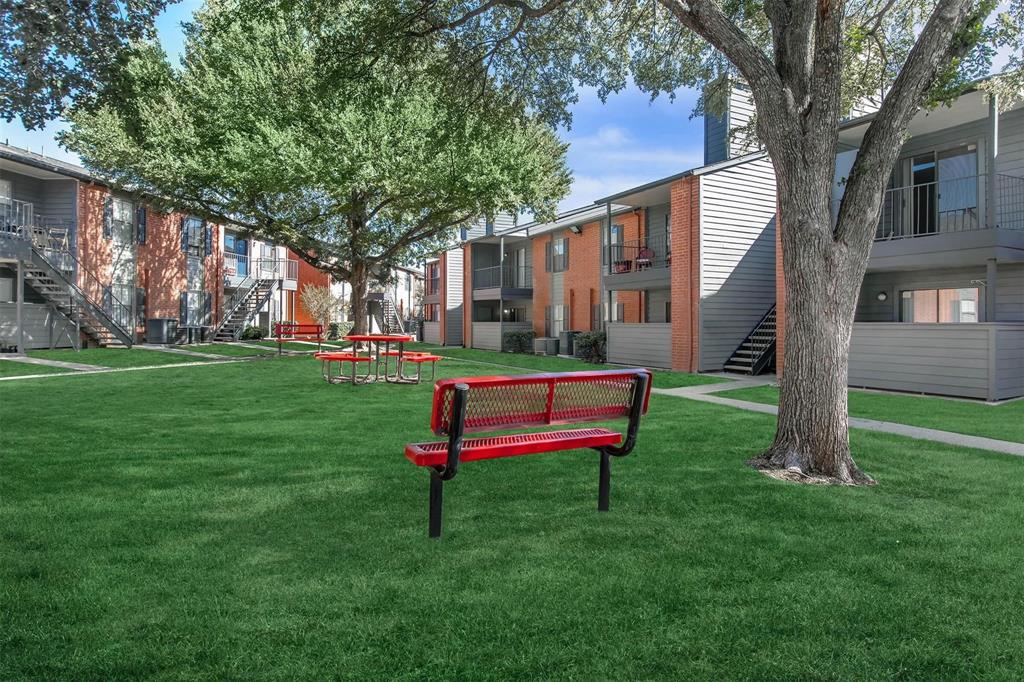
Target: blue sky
x: 615, y: 145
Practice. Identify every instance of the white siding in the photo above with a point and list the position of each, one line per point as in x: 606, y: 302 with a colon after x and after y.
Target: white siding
x: 487, y: 335
x: 737, y: 257
x: 645, y: 345
x: 42, y: 326
x: 432, y: 332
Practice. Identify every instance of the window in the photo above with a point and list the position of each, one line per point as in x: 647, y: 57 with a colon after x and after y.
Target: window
x: 554, y: 322
x: 613, y: 244
x: 947, y: 306
x: 432, y: 312
x: 236, y: 255
x: 514, y: 314
x: 560, y: 254
x: 123, y: 222
x: 6, y: 195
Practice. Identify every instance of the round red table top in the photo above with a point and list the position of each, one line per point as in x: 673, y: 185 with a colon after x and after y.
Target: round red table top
x: 402, y: 338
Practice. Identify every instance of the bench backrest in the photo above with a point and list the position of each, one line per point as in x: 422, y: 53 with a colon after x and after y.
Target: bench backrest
x: 282, y: 328
x: 500, y: 402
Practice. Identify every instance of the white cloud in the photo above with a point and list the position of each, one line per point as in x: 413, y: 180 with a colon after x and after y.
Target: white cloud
x: 587, y: 188
x: 606, y: 136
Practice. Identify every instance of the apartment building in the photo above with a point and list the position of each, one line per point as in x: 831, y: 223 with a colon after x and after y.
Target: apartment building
x: 82, y: 263
x: 941, y: 308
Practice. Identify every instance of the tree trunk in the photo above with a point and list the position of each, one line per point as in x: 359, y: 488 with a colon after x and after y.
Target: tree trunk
x: 822, y: 284
x: 357, y: 298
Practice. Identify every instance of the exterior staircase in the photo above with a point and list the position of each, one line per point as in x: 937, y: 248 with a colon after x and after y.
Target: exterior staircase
x: 756, y: 353
x: 247, y: 300
x: 384, y: 313
x: 63, y: 294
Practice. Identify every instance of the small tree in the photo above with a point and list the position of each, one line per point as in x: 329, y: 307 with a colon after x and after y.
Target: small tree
x: 320, y: 304
x: 355, y: 174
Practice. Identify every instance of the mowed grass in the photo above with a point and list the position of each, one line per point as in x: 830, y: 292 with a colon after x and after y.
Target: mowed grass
x: 250, y: 521
x: 543, y: 363
x: 113, y: 357
x: 1004, y: 422
x: 231, y: 350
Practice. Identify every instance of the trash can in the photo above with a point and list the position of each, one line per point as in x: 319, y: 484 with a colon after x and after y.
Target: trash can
x: 567, y: 341
x: 161, y: 330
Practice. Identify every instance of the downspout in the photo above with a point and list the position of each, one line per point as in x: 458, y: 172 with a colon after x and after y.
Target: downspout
x: 991, y: 212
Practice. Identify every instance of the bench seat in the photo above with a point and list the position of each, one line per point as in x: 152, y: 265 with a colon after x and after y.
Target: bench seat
x: 436, y: 453
x: 342, y: 357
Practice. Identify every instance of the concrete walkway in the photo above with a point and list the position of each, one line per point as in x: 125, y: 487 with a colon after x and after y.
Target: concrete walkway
x: 51, y: 363
x: 179, y: 351
x: 705, y: 393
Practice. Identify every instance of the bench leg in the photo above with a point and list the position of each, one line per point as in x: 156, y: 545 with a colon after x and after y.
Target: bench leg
x: 436, y: 501
x: 605, y: 482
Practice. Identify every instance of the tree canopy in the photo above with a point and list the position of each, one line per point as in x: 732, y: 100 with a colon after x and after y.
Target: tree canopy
x: 356, y: 175
x: 61, y: 52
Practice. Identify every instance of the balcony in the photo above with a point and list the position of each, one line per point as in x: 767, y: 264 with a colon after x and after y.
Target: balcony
x: 640, y: 263
x: 961, y: 225
x: 51, y: 236
x: 503, y: 281
x: 432, y: 286
x: 238, y: 269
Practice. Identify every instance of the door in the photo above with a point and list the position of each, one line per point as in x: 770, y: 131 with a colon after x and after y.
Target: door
x: 958, y: 189
x: 923, y: 174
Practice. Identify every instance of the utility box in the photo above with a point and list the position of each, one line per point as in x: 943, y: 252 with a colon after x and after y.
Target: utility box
x: 567, y: 341
x: 545, y: 345
x: 161, y: 330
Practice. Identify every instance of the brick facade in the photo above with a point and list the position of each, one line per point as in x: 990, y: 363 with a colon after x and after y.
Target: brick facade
x: 685, y: 221
x: 582, y: 281
x: 307, y: 276
x: 541, y: 283
x: 467, y: 295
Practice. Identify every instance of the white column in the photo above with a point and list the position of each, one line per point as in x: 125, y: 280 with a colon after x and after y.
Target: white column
x: 992, y: 157
x: 20, y: 314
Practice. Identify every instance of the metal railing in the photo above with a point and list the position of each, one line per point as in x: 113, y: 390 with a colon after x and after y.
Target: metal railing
x: 510, y: 276
x: 432, y: 286
x: 238, y: 265
x: 637, y: 255
x: 954, y: 205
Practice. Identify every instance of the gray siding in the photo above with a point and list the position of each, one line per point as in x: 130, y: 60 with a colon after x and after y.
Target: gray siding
x: 984, y: 361
x: 656, y: 220
x: 656, y: 302
x: 432, y: 332
x: 739, y: 110
x: 737, y: 256
x: 647, y: 345
x: 487, y: 335
x: 1009, y: 297
x: 1011, y: 143
x: 454, y: 308
x: 43, y: 326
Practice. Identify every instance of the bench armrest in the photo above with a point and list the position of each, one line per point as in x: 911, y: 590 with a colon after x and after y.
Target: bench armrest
x: 460, y: 397
x: 636, y: 410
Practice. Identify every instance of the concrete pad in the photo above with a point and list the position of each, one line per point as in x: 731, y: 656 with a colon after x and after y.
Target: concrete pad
x: 51, y: 363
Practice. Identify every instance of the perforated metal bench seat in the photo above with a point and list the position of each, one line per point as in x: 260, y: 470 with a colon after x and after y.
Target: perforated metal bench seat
x: 342, y: 357
x: 436, y: 453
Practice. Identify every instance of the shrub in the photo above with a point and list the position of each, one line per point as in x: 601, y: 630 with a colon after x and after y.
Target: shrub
x: 252, y: 334
x: 517, y: 341
x: 590, y: 347
x: 336, y: 330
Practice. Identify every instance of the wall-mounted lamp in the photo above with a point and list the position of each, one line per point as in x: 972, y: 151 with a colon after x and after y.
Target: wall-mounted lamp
x: 883, y: 296
x: 575, y: 229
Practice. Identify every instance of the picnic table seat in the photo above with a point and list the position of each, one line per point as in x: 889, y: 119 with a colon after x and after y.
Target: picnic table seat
x: 497, y: 403
x: 341, y: 357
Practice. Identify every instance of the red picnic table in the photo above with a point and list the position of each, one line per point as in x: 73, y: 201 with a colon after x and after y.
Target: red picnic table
x: 374, y: 342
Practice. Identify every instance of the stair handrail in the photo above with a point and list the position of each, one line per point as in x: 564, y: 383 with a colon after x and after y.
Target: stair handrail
x: 757, y: 363
x: 246, y: 286
x: 82, y: 273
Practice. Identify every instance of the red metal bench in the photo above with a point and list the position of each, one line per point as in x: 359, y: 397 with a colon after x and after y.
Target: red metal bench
x: 478, y: 404
x: 309, y: 332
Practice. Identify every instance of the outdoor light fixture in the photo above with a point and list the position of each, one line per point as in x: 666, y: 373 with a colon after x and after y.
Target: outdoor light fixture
x: 883, y: 296
x: 575, y: 229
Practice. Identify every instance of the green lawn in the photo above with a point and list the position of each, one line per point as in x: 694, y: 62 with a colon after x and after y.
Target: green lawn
x: 293, y: 345
x: 1005, y: 422
x: 157, y: 524
x: 113, y: 357
x: 9, y: 368
x: 230, y: 350
x: 662, y: 378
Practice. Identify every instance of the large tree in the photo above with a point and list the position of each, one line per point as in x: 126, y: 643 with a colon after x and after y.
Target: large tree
x: 61, y: 52
x: 807, y: 63
x: 355, y: 173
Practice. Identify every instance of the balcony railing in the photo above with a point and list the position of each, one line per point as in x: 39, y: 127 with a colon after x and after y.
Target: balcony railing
x: 638, y: 255
x: 506, y: 276
x: 955, y: 205
x: 237, y: 266
x: 432, y: 286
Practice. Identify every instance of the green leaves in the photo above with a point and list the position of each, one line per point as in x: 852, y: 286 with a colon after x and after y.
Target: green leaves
x: 374, y: 164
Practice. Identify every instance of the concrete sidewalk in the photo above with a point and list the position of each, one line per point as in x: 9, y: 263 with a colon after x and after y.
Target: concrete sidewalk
x: 706, y: 393
x: 24, y: 359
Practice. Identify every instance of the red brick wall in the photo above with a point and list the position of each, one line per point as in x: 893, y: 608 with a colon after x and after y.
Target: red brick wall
x: 541, y: 282
x: 93, y: 250
x: 685, y: 273
x: 162, y: 266
x: 308, y: 276
x: 632, y: 225
x: 442, y: 291
x: 582, y: 281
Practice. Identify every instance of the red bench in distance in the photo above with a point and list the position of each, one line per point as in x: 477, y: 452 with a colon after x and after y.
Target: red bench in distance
x: 477, y: 404
x: 308, y: 332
